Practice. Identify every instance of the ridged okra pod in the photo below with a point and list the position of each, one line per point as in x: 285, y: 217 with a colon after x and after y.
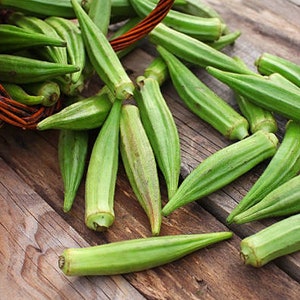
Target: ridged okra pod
x: 102, y: 173
x: 88, y: 113
x: 222, y: 167
x: 282, y: 201
x: 161, y: 130
x: 279, y: 239
x: 37, y: 25
x: 18, y: 69
x: 273, y: 93
x: 140, y: 165
x: 69, y: 32
x: 17, y: 93
x: 61, y: 8
x: 284, y: 165
x: 202, y: 101
x: 194, y: 51
x: 134, y: 255
x: 72, y: 153
x: 102, y: 56
x: 202, y: 28
x: 268, y: 64
x: 49, y: 89
x: 258, y: 117
x: 14, y: 38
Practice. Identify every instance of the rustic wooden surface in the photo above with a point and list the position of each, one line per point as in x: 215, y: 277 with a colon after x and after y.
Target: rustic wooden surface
x: 34, y: 230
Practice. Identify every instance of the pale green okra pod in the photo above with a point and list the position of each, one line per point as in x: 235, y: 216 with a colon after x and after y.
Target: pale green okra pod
x: 134, y: 255
x: 222, y: 167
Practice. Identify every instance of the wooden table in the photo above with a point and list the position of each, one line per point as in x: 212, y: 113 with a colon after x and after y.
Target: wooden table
x: 34, y: 230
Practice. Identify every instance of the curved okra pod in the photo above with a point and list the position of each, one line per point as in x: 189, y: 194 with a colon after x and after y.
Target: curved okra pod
x: 193, y: 50
x: 14, y: 38
x: 273, y: 93
x: 202, y: 101
x: 70, y: 33
x: 284, y: 165
x: 102, y: 56
x: 72, y: 153
x: 258, y: 117
x: 102, y: 173
x: 282, y: 201
x: 276, y: 240
x: 268, y: 64
x: 49, y: 89
x: 88, y: 113
x: 17, y: 93
x: 140, y: 165
x: 18, y: 69
x: 134, y: 255
x: 205, y: 29
x: 222, y: 167
x: 161, y: 130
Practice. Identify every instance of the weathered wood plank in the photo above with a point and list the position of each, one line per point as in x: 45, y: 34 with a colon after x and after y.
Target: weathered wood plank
x: 32, y: 236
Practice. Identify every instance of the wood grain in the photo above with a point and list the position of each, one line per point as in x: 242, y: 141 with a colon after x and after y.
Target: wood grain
x: 34, y: 230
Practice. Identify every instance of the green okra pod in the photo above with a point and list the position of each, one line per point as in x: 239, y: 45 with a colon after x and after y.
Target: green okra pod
x: 282, y: 201
x: 272, y: 93
x: 69, y: 32
x: 17, y: 93
x: 222, y: 167
x: 134, y: 255
x: 88, y: 113
x: 268, y: 64
x: 279, y: 239
x: 14, y: 38
x: 102, y: 173
x: 193, y: 50
x: 72, y: 153
x: 161, y: 130
x: 202, y: 101
x: 225, y: 40
x: 37, y: 25
x: 205, y: 29
x: 21, y: 70
x: 258, y: 117
x: 140, y: 165
x: 49, y: 89
x: 102, y: 56
x: 284, y: 165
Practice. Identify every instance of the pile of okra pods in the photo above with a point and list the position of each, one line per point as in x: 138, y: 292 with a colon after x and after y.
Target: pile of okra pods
x: 46, y: 61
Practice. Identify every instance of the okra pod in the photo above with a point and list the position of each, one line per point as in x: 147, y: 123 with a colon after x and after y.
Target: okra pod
x: 282, y: 201
x: 102, y: 56
x: 268, y: 64
x: 274, y: 94
x: 72, y: 153
x: 37, y: 25
x: 17, y: 93
x: 69, y: 32
x: 222, y: 167
x: 193, y: 50
x: 225, y: 40
x: 204, y: 29
x: 85, y: 114
x: 134, y: 255
x: 18, y: 69
x: 49, y: 89
x: 14, y: 38
x: 102, y: 173
x: 284, y: 165
x: 258, y: 117
x: 161, y: 130
x: 279, y: 239
x: 140, y: 165
x: 202, y: 101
